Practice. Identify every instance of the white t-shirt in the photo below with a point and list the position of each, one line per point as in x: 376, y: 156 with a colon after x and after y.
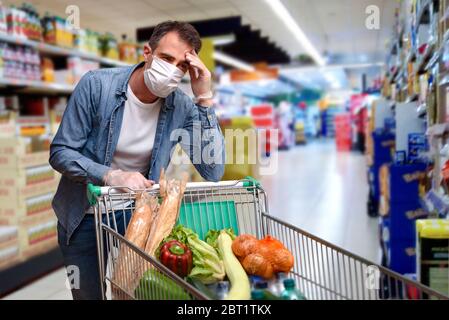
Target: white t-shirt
x: 136, y: 140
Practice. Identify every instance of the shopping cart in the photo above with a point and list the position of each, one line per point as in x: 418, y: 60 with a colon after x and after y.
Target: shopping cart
x: 321, y: 269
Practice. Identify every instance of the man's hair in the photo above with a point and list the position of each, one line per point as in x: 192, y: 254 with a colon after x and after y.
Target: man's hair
x: 185, y: 31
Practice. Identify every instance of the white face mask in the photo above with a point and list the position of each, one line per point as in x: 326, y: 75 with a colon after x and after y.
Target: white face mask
x: 162, y: 78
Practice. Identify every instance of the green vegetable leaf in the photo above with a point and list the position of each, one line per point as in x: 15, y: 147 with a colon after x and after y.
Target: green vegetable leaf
x: 212, y: 237
x: 207, y: 265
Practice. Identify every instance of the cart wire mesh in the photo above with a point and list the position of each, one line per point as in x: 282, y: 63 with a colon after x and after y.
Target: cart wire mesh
x: 321, y: 270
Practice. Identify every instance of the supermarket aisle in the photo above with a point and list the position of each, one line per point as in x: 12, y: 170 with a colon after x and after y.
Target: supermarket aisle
x: 324, y: 192
x: 316, y: 188
x: 51, y: 287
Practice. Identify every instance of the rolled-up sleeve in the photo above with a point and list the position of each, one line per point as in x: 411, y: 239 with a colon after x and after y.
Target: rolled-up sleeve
x: 73, y: 133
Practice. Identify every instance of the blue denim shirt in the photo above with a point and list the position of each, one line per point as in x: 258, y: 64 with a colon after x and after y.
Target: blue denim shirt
x: 84, y: 145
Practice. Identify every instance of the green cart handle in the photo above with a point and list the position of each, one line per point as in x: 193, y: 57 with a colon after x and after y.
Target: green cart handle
x: 251, y: 182
x: 93, y: 192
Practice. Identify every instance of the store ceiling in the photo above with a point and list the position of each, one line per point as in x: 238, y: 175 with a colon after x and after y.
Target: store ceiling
x: 334, y: 26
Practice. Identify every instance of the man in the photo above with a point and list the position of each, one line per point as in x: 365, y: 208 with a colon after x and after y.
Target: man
x: 116, y: 131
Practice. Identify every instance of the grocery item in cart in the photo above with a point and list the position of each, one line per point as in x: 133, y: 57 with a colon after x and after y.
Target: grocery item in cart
x: 153, y: 283
x: 276, y: 285
x: 208, y: 267
x: 290, y: 292
x: 262, y: 257
x: 137, y: 233
x: 240, y: 286
x: 172, y: 192
x: 177, y: 257
x: 146, y: 230
x: 139, y: 226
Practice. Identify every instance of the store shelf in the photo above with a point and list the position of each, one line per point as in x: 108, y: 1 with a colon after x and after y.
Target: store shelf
x: 421, y: 110
x: 421, y: 18
x: 412, y: 98
x: 23, y: 273
x: 55, y: 50
x: 435, y: 58
x: 438, y: 129
x: 422, y: 61
x: 444, y: 79
x: 411, y: 56
x: 36, y: 86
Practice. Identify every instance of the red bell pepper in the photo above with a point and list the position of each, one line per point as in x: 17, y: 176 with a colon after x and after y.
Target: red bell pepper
x: 177, y: 257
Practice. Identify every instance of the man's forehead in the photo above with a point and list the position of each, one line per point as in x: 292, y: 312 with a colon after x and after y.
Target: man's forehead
x: 173, y: 41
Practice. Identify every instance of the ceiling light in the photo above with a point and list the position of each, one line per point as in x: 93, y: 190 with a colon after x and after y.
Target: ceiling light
x: 233, y: 62
x: 223, y: 40
x: 283, y: 14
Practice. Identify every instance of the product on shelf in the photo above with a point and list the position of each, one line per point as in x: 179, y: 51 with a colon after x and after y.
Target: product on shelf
x: 20, y: 62
x: 109, y: 46
x: 48, y: 70
x: 3, y: 14
x: 432, y: 257
x: 56, y: 107
x: 417, y: 147
x: 93, y: 44
x: 77, y: 67
x: 128, y: 51
x: 15, y: 22
x: 57, y: 31
x: 80, y: 41
x: 32, y: 25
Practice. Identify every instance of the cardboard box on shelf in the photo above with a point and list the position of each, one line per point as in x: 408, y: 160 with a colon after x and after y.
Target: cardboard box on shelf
x: 18, y: 196
x: 7, y: 129
x: 18, y: 161
x: 12, y: 216
x: 9, y: 246
x: 37, y: 235
x: 27, y: 177
x: 9, y: 256
x: 11, y: 195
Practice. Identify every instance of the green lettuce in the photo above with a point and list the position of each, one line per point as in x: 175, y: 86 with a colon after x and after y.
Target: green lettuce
x: 211, y: 237
x: 207, y: 265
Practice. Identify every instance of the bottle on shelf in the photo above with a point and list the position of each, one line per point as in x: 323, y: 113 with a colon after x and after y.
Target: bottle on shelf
x: 290, y: 292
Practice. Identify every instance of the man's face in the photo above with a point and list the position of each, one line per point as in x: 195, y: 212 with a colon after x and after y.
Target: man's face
x: 170, y: 49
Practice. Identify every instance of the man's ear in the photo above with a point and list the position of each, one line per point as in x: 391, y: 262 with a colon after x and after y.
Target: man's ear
x: 147, y: 53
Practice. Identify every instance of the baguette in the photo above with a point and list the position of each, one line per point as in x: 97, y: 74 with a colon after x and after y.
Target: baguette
x: 172, y: 192
x: 126, y: 272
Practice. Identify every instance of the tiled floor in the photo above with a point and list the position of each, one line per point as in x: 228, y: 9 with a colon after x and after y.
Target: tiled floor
x: 316, y: 188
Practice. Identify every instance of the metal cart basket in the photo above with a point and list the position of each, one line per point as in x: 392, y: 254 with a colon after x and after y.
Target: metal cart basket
x: 321, y: 270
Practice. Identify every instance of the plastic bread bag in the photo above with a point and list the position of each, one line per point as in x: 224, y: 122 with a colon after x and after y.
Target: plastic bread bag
x: 127, y: 264
x: 172, y: 192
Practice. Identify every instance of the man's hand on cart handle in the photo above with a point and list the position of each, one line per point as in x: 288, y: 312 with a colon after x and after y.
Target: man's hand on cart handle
x: 132, y: 180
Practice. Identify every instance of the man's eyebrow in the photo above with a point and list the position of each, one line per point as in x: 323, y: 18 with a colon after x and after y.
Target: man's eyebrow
x: 167, y: 55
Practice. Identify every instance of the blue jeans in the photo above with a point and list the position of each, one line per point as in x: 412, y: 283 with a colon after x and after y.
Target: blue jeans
x: 82, y: 253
